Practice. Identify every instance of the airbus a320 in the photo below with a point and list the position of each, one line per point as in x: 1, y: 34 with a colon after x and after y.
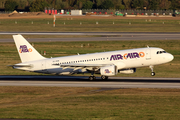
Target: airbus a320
x: 105, y: 63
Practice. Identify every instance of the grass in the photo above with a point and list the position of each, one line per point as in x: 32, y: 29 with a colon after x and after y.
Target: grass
x: 9, y: 55
x: 88, y: 103
x: 104, y: 25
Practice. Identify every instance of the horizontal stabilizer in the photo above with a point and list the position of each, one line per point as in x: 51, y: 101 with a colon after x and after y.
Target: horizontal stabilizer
x: 28, y: 65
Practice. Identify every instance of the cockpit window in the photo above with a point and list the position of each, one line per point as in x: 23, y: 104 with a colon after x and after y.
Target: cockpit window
x: 160, y: 52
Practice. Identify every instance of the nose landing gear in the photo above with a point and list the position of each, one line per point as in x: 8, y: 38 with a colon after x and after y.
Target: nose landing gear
x: 152, y: 73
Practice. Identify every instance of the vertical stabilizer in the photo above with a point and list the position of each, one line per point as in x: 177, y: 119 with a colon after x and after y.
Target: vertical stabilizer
x: 26, y: 50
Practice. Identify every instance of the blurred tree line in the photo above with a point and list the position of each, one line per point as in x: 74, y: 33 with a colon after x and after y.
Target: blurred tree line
x: 40, y: 5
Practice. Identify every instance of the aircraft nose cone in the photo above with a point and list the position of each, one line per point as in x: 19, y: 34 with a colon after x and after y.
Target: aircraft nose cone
x: 170, y: 57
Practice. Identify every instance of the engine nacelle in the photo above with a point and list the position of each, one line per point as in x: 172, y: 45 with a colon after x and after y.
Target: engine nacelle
x: 128, y: 71
x: 108, y: 70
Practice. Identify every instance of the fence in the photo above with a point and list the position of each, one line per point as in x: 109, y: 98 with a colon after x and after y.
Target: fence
x: 130, y: 12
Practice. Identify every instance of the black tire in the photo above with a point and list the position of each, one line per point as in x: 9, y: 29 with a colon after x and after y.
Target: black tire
x: 91, y: 78
x: 104, y: 77
x: 153, y: 74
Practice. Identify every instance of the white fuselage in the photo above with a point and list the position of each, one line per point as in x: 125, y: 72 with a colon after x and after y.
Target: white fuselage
x: 122, y: 59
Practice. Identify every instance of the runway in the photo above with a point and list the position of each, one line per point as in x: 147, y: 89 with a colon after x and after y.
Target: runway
x: 103, y: 36
x: 82, y: 81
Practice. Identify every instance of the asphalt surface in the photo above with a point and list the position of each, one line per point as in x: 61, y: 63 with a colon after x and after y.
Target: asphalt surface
x: 82, y: 81
x: 104, y: 36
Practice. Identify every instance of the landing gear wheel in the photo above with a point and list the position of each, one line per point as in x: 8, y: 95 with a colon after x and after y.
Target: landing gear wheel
x: 153, y: 73
x: 104, y: 77
x: 92, y: 78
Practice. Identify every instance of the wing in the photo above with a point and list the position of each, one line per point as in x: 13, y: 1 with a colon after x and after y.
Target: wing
x: 89, y: 67
x: 84, y: 65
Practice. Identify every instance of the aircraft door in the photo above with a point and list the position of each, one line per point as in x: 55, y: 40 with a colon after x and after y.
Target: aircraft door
x: 43, y: 65
x: 148, y: 54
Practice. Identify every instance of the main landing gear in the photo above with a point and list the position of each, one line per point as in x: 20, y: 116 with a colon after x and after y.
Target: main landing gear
x: 152, y: 73
x: 94, y: 78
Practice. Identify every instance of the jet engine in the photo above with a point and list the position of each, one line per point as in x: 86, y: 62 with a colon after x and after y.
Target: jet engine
x: 108, y: 70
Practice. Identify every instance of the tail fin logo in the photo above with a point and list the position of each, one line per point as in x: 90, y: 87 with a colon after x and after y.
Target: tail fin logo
x: 24, y: 49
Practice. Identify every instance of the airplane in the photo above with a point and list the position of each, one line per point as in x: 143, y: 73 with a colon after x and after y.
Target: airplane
x: 104, y: 63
